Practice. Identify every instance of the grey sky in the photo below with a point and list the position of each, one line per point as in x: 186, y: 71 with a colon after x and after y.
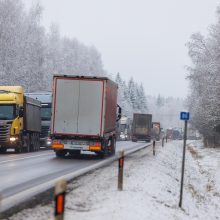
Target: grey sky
x: 140, y: 38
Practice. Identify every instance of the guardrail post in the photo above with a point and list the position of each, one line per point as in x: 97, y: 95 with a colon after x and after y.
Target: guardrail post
x: 154, y: 144
x: 60, y: 192
x: 162, y: 142
x: 120, y: 170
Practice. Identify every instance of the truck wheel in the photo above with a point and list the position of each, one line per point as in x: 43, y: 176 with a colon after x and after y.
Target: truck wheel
x: 61, y: 153
x: 18, y: 150
x: 103, y: 153
x: 34, y: 142
x: 31, y: 148
x: 113, y: 145
x: 27, y: 148
x: 38, y: 141
x: 3, y: 149
x: 74, y: 153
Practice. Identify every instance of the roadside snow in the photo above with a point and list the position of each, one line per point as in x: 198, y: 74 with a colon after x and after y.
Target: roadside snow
x: 151, y: 188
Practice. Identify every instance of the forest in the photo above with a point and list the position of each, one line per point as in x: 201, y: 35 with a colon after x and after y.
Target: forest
x: 203, y: 74
x: 30, y: 55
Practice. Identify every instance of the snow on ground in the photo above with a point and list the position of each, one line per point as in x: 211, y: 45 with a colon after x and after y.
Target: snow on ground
x: 151, y: 188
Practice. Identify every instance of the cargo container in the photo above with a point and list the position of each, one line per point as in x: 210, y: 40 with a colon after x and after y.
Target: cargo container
x: 155, y: 133
x: 20, y: 121
x: 46, y: 99
x: 169, y: 133
x: 84, y: 115
x: 141, y: 127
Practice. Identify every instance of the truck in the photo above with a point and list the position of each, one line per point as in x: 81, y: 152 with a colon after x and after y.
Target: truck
x: 20, y: 120
x: 141, y: 127
x: 169, y: 133
x: 46, y: 104
x: 156, y: 130
x: 124, y: 128
x: 84, y: 115
x: 177, y: 134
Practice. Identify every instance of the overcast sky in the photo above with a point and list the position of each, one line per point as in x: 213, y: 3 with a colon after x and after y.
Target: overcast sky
x: 140, y: 38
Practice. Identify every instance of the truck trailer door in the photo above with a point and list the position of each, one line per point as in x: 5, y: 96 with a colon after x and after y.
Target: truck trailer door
x: 66, y: 106
x: 90, y: 107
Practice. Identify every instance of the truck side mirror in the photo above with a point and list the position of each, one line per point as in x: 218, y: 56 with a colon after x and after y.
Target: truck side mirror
x: 119, y: 112
x: 21, y: 112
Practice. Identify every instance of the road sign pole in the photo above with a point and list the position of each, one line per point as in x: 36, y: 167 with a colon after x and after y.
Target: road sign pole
x: 183, y: 164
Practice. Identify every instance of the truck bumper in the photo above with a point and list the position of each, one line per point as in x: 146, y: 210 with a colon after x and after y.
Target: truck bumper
x: 9, y: 145
x: 141, y: 138
x: 76, y: 147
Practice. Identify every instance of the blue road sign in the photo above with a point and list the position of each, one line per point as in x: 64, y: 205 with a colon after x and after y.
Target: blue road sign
x: 184, y: 116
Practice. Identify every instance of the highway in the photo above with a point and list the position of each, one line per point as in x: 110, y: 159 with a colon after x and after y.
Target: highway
x: 20, y: 172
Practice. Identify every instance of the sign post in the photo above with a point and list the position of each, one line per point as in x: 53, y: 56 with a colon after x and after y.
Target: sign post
x: 185, y: 117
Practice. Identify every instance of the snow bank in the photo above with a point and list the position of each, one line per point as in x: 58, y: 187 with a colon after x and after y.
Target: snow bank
x: 151, y: 189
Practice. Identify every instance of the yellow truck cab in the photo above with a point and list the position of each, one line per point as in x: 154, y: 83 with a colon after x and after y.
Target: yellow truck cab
x: 19, y: 120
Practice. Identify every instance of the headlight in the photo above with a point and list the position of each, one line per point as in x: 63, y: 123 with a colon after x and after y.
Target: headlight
x: 49, y: 142
x: 12, y: 139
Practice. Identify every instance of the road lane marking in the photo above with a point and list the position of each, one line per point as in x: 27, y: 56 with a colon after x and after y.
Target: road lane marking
x: 39, y: 155
x: 23, y: 158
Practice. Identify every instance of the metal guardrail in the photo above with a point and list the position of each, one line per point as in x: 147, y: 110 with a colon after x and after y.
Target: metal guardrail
x: 26, y: 195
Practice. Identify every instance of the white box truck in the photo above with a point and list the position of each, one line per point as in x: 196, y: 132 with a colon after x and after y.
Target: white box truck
x: 84, y: 115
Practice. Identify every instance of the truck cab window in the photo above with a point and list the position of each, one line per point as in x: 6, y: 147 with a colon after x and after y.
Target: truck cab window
x: 7, y: 112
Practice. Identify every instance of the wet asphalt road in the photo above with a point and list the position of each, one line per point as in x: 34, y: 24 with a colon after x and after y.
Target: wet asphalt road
x: 23, y: 171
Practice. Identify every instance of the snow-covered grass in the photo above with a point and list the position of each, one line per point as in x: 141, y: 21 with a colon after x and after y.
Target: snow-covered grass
x: 151, y: 188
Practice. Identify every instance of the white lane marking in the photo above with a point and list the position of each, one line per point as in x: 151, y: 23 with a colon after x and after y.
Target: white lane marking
x: 130, y: 145
x: 23, y: 158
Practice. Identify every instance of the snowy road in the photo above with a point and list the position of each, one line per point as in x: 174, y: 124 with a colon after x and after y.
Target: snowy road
x: 151, y: 188
x: 22, y: 171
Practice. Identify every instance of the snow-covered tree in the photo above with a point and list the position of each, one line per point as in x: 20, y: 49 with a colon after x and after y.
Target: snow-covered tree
x: 131, y: 97
x: 204, y: 77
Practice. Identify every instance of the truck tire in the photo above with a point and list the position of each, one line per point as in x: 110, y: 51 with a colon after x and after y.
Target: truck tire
x: 74, y: 153
x: 61, y: 153
x: 31, y: 143
x: 103, y: 153
x: 37, y: 142
x: 27, y: 148
x: 113, y: 145
x: 3, y: 149
x: 18, y: 150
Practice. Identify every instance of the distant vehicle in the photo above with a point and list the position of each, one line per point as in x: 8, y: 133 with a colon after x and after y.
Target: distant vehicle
x: 141, y: 127
x: 20, y: 120
x: 156, y: 130
x: 193, y: 134
x: 169, y: 133
x: 177, y: 134
x: 45, y: 98
x: 84, y: 115
x: 162, y: 133
x: 124, y: 128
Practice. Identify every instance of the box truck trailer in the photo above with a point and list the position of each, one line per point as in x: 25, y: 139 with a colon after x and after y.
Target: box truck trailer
x: 84, y: 115
x: 46, y: 99
x: 141, y: 127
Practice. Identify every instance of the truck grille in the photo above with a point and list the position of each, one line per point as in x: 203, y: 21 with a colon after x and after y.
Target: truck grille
x: 4, y: 132
x: 44, y: 131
